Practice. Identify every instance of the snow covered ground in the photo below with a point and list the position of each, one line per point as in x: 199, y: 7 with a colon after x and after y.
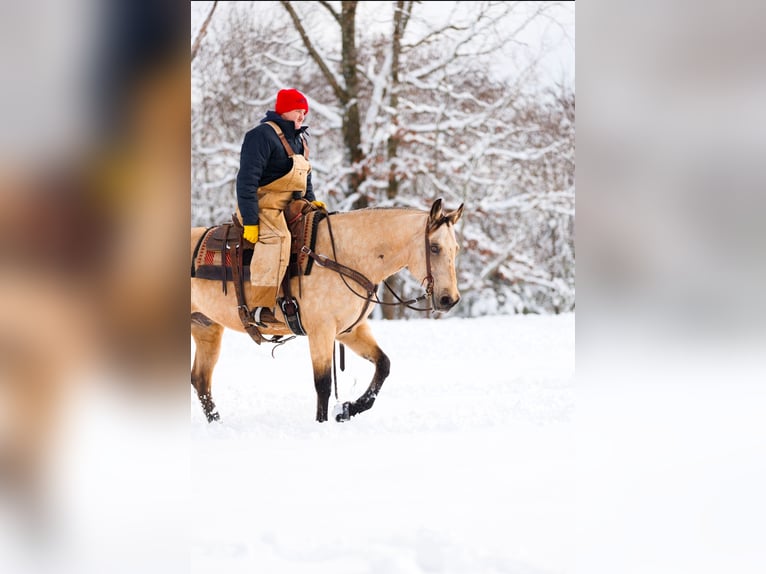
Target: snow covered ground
x: 465, y: 464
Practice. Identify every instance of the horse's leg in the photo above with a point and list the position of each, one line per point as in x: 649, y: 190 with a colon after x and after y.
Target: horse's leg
x: 207, y: 337
x: 361, y: 341
x: 321, y: 346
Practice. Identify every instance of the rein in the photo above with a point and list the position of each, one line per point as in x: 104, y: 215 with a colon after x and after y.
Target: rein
x: 370, y: 288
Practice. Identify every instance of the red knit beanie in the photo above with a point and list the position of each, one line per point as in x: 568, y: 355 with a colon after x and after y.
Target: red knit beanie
x: 289, y: 100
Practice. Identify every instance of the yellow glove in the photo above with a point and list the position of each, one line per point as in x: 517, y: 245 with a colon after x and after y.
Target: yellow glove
x: 319, y: 204
x: 251, y: 233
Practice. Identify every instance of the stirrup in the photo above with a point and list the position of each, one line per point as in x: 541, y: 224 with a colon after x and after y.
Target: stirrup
x: 257, y: 316
x: 290, y: 310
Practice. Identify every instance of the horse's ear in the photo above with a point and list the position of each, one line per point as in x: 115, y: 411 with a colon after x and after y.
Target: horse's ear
x: 453, y: 216
x: 436, y: 212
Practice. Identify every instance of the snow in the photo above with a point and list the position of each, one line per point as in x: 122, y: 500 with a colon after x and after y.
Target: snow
x: 473, y: 459
x: 465, y: 463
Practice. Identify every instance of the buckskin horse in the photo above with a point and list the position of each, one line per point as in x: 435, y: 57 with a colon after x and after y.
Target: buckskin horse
x: 349, y: 255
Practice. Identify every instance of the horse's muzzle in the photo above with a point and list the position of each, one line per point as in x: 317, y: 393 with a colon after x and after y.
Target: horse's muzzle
x: 445, y: 302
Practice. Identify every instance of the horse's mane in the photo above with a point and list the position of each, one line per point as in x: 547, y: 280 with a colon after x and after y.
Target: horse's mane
x: 408, y: 209
x: 364, y: 212
x: 382, y: 208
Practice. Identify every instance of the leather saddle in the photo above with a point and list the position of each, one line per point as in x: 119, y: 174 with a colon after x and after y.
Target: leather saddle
x: 222, y: 254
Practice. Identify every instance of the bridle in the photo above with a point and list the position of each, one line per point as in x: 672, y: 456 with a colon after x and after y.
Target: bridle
x: 371, y: 291
x: 428, y: 279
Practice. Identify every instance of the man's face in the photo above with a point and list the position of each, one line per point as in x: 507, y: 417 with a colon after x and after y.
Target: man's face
x: 295, y: 116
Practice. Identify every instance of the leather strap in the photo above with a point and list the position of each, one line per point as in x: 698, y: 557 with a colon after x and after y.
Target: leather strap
x: 239, y: 287
x: 288, y: 148
x: 224, y: 247
x: 369, y: 286
x: 289, y: 307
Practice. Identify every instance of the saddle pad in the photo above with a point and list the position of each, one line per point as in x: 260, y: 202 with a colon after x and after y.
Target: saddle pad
x: 209, y: 262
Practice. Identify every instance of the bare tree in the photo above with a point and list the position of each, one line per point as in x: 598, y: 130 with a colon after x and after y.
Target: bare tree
x: 202, y: 31
x: 431, y: 106
x: 345, y: 88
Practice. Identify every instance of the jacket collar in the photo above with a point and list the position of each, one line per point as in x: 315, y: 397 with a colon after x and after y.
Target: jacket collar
x: 288, y: 128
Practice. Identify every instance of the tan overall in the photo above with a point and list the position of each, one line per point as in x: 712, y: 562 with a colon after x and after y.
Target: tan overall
x: 271, y: 254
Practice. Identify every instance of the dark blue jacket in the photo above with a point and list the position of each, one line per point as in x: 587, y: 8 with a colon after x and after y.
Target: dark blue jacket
x: 262, y: 160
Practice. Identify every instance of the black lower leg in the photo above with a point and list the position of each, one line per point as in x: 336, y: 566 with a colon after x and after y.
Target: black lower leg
x: 365, y: 402
x: 208, y: 407
x: 322, y: 386
x: 362, y: 404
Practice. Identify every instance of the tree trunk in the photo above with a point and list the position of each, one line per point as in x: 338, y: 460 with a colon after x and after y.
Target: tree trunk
x: 202, y: 31
x: 352, y: 134
x: 401, y: 17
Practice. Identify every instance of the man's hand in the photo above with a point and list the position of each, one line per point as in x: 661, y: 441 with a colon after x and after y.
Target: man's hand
x: 251, y: 233
x: 319, y: 204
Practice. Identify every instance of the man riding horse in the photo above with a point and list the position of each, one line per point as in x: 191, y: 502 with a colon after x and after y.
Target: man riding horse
x: 274, y: 170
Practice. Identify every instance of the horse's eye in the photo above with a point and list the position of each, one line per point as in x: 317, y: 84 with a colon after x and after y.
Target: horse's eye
x: 435, y: 249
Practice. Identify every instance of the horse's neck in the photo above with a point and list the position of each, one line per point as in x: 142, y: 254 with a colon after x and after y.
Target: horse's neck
x: 378, y: 242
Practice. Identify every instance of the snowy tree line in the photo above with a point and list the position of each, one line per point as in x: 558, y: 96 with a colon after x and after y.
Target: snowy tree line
x: 406, y: 107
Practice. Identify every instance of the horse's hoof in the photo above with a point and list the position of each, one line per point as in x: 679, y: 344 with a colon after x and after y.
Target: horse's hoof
x: 214, y: 416
x: 342, y: 412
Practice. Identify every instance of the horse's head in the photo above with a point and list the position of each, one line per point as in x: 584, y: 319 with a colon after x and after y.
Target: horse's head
x: 441, y: 252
